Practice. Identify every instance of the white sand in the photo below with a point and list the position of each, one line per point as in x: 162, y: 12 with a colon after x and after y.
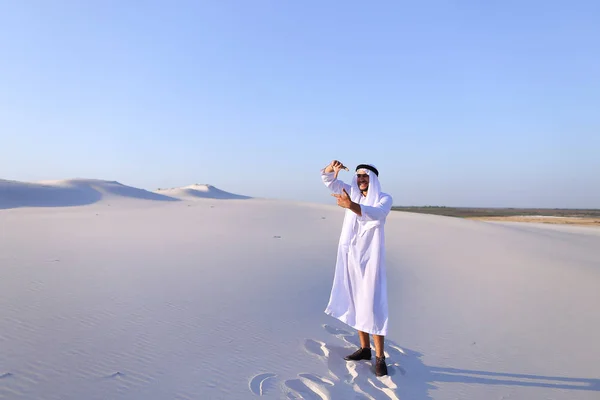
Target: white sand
x: 115, y: 296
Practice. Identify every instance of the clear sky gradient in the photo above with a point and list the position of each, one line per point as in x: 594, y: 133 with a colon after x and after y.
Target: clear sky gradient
x: 458, y: 103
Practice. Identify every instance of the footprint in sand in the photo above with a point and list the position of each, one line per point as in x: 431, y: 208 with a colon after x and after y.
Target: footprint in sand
x: 316, y: 347
x: 309, y: 386
x: 317, y: 379
x: 258, y: 384
x: 345, y: 379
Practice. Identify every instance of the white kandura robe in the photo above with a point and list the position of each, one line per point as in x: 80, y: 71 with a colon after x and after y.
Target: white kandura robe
x: 359, y: 292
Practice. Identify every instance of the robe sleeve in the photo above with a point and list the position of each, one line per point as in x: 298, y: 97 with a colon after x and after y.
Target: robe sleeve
x: 378, y: 212
x: 335, y: 185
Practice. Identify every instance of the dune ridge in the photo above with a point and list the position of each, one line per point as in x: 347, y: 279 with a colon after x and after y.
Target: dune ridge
x: 81, y: 192
x: 202, y: 191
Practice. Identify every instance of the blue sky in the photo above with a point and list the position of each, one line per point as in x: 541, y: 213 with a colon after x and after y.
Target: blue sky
x: 458, y: 103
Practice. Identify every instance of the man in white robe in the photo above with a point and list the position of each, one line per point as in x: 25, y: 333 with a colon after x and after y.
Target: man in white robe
x: 359, y: 293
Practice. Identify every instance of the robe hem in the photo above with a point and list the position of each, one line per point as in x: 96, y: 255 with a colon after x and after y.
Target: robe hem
x: 382, y: 332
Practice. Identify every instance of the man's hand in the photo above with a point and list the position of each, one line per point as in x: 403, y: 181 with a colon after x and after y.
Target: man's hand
x: 338, y: 166
x: 343, y: 199
x: 335, y: 166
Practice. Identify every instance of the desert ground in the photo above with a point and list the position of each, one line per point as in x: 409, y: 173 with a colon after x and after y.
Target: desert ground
x: 113, y: 292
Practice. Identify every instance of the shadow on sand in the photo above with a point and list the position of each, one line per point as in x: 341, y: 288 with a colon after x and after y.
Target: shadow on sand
x: 421, y: 378
x: 415, y: 380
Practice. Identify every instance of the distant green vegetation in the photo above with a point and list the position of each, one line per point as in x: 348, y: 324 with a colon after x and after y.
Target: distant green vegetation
x: 467, y: 212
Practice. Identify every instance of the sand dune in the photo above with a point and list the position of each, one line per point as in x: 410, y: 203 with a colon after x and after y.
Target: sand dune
x: 203, y: 191
x: 224, y: 300
x: 72, y: 192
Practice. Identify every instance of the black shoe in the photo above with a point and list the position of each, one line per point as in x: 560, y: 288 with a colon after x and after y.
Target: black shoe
x: 360, y: 354
x: 380, y: 366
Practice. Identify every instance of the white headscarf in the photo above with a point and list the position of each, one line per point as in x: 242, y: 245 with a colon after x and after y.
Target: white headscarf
x: 372, y: 198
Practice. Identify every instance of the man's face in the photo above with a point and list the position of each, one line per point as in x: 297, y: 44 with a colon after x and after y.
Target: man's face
x: 362, y: 179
